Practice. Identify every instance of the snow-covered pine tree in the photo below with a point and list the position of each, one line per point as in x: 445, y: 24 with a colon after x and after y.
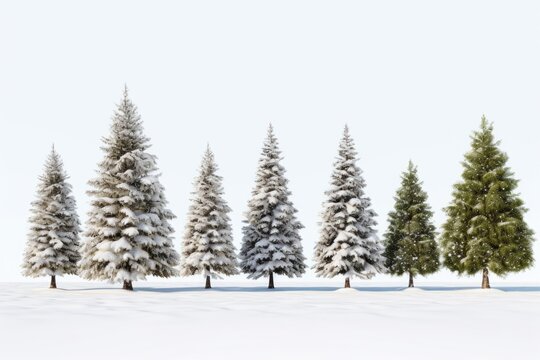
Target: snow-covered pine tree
x: 52, y: 248
x: 348, y: 244
x: 410, y: 245
x: 207, y: 246
x: 485, y: 230
x: 128, y: 234
x: 271, y: 242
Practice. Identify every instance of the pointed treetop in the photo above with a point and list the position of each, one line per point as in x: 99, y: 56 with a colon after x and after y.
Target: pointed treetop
x: 346, y: 145
x: 127, y: 133
x: 125, y: 96
x: 347, y: 138
x: 208, y: 164
x: 485, y: 134
x: 208, y: 154
x: 485, y: 125
x: 208, y: 150
x: 346, y: 132
x: 270, y: 146
x: 53, y: 160
x: 411, y: 166
x: 126, y: 101
x: 270, y: 135
x: 53, y: 157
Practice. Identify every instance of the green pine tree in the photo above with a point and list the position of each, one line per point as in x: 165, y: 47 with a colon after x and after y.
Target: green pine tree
x: 410, y: 245
x: 485, y: 229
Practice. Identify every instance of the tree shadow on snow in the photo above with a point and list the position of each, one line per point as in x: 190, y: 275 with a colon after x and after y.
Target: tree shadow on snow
x: 261, y: 289
x: 252, y: 289
x: 231, y: 289
x: 89, y: 289
x: 501, y: 288
x: 518, y: 288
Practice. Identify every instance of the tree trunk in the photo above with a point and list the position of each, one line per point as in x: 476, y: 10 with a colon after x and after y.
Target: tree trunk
x: 411, y: 280
x: 128, y: 285
x: 53, y: 282
x: 485, y: 279
x: 347, y: 282
x: 271, y: 280
x: 207, y: 285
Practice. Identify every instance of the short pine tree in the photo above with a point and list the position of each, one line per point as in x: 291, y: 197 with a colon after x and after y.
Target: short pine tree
x: 485, y: 230
x: 271, y: 241
x: 52, y: 248
x: 348, y: 244
x: 128, y: 234
x: 207, y: 246
x: 410, y: 245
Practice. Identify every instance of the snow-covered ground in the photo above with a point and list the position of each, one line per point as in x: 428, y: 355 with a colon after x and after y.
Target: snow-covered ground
x: 238, y: 320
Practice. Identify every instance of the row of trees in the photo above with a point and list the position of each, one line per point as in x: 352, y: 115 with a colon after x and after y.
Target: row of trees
x: 128, y: 232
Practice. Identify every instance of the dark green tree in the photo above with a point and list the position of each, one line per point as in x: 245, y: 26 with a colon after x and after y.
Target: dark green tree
x: 485, y: 230
x: 410, y: 245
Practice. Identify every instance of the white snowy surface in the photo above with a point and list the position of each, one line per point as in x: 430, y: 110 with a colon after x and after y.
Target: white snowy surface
x: 243, y: 320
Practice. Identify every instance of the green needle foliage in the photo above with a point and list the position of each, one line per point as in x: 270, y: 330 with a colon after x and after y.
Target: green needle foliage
x: 410, y: 245
x: 485, y: 229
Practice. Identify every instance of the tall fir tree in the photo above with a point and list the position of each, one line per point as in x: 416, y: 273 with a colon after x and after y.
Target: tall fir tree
x: 52, y: 247
x: 128, y: 233
x: 485, y: 230
x: 410, y: 245
x: 271, y: 242
x: 348, y: 243
x: 208, y: 245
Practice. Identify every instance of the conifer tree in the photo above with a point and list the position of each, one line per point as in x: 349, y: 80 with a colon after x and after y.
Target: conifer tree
x: 128, y: 233
x: 348, y: 243
x: 485, y: 230
x: 207, y: 246
x: 271, y: 241
x: 410, y: 245
x: 52, y: 247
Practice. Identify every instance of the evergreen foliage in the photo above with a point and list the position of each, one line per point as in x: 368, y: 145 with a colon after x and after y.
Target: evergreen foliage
x: 207, y: 246
x: 410, y: 245
x: 271, y: 241
x: 348, y: 243
x: 485, y: 229
x: 128, y: 233
x: 53, y: 242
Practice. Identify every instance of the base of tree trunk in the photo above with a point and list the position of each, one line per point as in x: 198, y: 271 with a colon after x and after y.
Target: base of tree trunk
x: 347, y: 283
x: 208, y: 285
x: 411, y: 280
x: 53, y: 282
x: 128, y: 285
x: 271, y: 280
x: 485, y: 279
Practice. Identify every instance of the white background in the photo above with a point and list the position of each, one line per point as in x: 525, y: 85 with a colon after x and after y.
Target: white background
x: 411, y: 79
